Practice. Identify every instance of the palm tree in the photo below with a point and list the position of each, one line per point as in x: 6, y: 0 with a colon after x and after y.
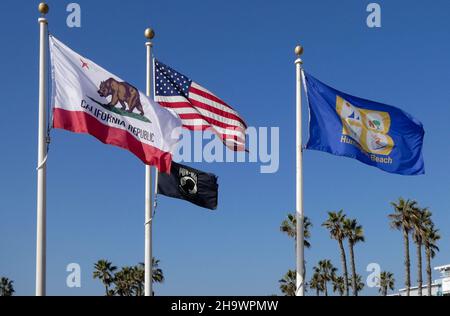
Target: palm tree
x: 420, y: 221
x: 430, y: 239
x: 129, y: 280
x: 339, y: 285
x: 6, y: 287
x: 157, y: 273
x: 358, y: 281
x: 138, y: 276
x: 104, y: 270
x: 327, y: 272
x: 288, y: 283
x: 386, y: 282
x: 334, y: 224
x: 316, y: 283
x: 124, y: 283
x: 354, y: 234
x: 401, y: 220
x: 289, y: 227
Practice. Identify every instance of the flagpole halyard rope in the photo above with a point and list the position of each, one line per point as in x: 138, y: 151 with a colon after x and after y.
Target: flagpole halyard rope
x: 307, y: 102
x: 148, y: 222
x: 42, y: 163
x: 155, y: 203
x: 49, y: 115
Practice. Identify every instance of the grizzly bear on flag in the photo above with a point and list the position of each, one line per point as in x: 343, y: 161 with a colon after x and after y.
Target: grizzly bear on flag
x: 121, y: 92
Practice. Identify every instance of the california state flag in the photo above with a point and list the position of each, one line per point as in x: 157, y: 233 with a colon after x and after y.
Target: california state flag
x: 88, y: 99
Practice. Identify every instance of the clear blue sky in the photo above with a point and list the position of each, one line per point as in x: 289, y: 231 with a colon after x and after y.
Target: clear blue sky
x: 242, y: 51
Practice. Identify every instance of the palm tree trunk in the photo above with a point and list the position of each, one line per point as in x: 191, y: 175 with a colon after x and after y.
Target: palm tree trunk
x: 344, y: 265
x: 352, y: 259
x: 384, y: 290
x: 317, y: 292
x: 106, y: 290
x: 428, y: 255
x: 407, y: 261
x: 325, y: 288
x: 419, y: 268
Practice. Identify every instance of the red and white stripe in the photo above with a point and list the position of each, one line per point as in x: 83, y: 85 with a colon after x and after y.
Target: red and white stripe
x: 203, y: 110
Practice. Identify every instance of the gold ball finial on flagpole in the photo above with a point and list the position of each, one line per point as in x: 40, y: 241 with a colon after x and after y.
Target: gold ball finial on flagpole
x: 149, y: 33
x: 43, y: 8
x: 298, y: 50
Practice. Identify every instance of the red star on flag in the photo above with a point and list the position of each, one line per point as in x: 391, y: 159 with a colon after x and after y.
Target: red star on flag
x: 84, y: 64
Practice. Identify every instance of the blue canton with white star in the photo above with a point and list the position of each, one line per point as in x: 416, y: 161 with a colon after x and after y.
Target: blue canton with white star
x: 169, y: 82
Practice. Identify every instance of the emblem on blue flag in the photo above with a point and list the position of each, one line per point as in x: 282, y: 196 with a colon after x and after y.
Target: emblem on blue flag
x: 370, y: 129
x: 374, y: 133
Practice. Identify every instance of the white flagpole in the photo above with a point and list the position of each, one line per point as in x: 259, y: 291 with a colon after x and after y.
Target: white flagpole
x: 299, y: 176
x: 149, y: 34
x: 42, y: 156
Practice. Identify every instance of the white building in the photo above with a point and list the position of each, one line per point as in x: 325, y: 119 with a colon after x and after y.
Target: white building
x: 440, y: 287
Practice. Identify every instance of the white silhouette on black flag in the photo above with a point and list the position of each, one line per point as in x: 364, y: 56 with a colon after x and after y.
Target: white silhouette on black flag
x: 189, y: 184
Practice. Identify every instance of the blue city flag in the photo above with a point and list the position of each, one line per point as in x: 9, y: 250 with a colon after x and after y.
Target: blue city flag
x: 376, y: 134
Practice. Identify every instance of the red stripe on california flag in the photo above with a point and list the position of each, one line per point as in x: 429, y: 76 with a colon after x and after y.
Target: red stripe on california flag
x: 82, y: 122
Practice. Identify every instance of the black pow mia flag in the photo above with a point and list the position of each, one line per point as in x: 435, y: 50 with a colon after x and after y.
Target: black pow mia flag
x: 189, y: 184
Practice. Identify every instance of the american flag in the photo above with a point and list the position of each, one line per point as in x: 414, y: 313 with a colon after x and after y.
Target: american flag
x: 198, y: 108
